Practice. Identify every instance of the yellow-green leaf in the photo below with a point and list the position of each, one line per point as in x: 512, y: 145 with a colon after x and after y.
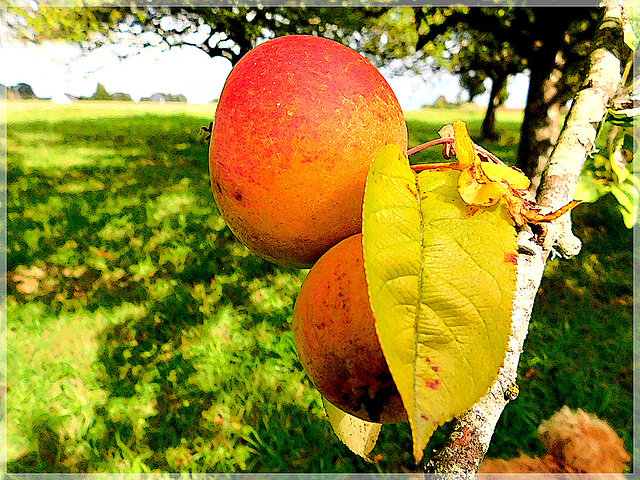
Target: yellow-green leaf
x: 504, y: 173
x: 442, y: 278
x: 483, y: 184
x: 479, y: 194
x: 358, y: 435
x: 465, y: 151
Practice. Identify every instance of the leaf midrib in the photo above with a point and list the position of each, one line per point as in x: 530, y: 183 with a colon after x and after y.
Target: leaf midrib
x: 420, y: 285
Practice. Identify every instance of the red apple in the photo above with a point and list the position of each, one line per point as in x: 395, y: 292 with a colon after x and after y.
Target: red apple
x: 335, y: 336
x: 298, y: 124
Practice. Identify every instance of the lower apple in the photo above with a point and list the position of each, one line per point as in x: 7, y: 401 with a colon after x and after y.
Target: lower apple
x: 336, y: 339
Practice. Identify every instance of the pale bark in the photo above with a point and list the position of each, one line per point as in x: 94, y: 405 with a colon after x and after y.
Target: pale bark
x: 466, y: 446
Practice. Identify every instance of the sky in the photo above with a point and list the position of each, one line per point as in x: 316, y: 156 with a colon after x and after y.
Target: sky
x: 54, y: 69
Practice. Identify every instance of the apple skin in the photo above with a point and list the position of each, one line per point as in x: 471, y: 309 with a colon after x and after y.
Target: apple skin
x: 299, y: 121
x: 336, y: 340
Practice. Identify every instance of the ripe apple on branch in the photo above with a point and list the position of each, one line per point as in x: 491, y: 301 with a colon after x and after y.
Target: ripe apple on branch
x: 298, y: 124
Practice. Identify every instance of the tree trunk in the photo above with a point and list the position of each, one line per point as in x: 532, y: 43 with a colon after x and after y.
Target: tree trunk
x: 489, y: 122
x: 541, y: 125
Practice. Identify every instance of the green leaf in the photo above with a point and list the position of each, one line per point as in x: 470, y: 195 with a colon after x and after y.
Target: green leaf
x: 442, y: 278
x: 588, y: 190
x: 620, y: 156
x: 628, y: 198
x: 624, y: 117
x: 358, y: 435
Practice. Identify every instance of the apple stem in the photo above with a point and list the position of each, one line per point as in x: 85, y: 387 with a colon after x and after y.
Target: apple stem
x: 487, y: 155
x: 434, y: 166
x: 432, y: 143
x: 448, y: 142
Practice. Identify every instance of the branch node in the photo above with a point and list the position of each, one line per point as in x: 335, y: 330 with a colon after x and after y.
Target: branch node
x: 567, y: 245
x: 512, y: 392
x: 527, y: 244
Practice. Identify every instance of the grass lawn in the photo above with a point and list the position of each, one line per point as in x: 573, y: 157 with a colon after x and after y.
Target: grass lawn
x: 142, y: 337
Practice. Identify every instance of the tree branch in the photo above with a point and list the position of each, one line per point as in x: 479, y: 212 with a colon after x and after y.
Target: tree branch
x: 467, y: 444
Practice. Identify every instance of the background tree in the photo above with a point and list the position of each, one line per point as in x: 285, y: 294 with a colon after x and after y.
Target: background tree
x: 479, y: 43
x: 220, y: 32
x: 477, y: 56
x: 473, y: 55
x: 101, y: 93
x: 553, y: 43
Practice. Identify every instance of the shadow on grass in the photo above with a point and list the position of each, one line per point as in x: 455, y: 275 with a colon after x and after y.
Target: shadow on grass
x: 202, y: 375
x: 147, y: 351
x: 91, y: 224
x: 47, y: 453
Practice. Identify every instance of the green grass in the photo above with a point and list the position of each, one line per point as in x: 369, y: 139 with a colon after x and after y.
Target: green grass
x: 142, y: 337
